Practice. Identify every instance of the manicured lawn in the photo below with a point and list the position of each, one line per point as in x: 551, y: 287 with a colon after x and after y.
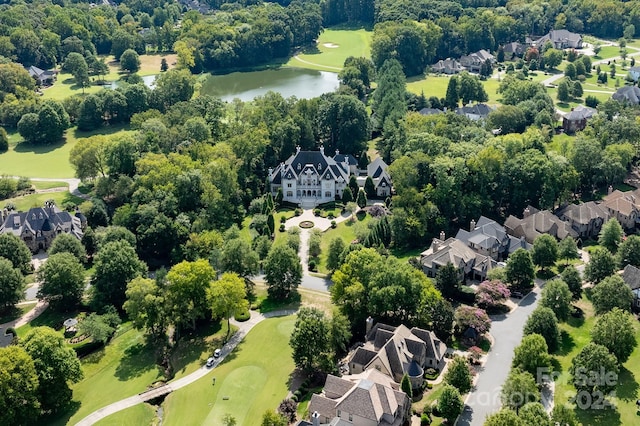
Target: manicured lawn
x: 138, y: 415
x: 575, y: 335
x: 253, y: 379
x: 608, y: 52
x: 50, y: 161
x: 37, y: 200
x: 436, y: 85
x: 562, y: 144
x: 65, y: 84
x: 49, y: 185
x: 345, y: 230
x: 334, y: 46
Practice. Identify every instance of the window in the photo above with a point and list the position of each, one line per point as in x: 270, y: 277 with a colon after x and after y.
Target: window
x: 288, y: 185
x: 350, y: 417
x: 289, y: 193
x: 327, y: 194
x: 339, y: 412
x: 299, y: 166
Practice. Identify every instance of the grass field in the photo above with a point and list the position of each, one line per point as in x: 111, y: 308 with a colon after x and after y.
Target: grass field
x: 16, y: 312
x: 575, y: 335
x: 436, y: 85
x: 37, y: 200
x: 253, y: 379
x: 138, y: 415
x: 608, y: 52
x: 65, y: 84
x: 49, y: 185
x: 345, y: 230
x: 50, y: 161
x: 334, y: 46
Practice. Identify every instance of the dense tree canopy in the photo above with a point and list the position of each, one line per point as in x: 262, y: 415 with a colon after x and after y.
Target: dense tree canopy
x: 11, y: 284
x: 611, y: 293
x: 62, y: 281
x: 18, y: 387
x: 615, y: 331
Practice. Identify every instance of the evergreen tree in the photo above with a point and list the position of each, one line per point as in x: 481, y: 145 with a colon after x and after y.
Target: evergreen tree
x: 452, y: 97
x: 362, y: 199
x: 405, y: 385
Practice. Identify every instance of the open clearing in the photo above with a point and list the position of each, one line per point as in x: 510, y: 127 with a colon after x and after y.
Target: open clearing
x: 138, y: 415
x: 333, y: 47
x: 251, y: 380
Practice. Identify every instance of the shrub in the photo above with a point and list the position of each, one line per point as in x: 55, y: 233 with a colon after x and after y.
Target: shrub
x: 283, y: 219
x: 316, y: 212
x: 312, y: 265
x: 331, y: 215
x: 425, y: 419
x: 298, y: 393
x: 282, y: 227
x: 243, y: 315
x: 294, y: 398
x: 298, y: 212
x: 333, y: 224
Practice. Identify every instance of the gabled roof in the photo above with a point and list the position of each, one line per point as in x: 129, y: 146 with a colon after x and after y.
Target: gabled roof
x: 580, y: 113
x: 623, y: 202
x: 631, y: 276
x: 513, y: 47
x: 481, y: 110
x: 630, y: 94
x: 452, y: 250
x: 341, y: 158
x: 538, y: 223
x: 430, y: 111
x: 43, y: 219
x: 486, y: 234
x: 584, y: 213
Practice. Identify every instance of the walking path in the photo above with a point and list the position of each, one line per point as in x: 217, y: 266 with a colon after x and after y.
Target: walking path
x: 72, y: 182
x: 243, y: 329
x: 28, y: 316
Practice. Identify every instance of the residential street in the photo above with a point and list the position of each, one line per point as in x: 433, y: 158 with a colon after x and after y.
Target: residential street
x: 506, y: 331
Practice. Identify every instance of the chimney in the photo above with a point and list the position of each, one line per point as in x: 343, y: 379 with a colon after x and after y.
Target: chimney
x: 442, y: 235
x: 322, y: 149
x: 369, y: 326
x: 337, y: 152
x: 270, y: 171
x: 315, y: 419
x: 609, y: 190
x: 297, y: 149
x: 473, y: 225
x: 526, y: 213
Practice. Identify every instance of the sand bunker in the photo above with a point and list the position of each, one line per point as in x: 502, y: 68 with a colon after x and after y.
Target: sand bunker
x: 330, y: 45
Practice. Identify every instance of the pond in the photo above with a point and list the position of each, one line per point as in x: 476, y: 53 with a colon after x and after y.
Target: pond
x: 302, y: 83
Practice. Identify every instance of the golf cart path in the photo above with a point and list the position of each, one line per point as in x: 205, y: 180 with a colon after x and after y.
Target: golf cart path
x: 28, y: 316
x: 243, y: 329
x: 72, y: 182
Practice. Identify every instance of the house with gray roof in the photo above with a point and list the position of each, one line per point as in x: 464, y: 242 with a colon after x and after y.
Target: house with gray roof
x: 475, y: 112
x: 627, y: 95
x: 513, y: 49
x: 470, y: 264
x: 535, y: 223
x: 447, y: 66
x: 561, y: 39
x: 585, y: 218
x: 474, y: 61
x: 631, y: 277
x: 310, y: 178
x: 430, y: 111
x: 40, y: 225
x: 42, y: 77
x: 634, y: 73
x: 577, y: 118
x: 489, y: 238
x: 368, y: 399
x: 396, y: 351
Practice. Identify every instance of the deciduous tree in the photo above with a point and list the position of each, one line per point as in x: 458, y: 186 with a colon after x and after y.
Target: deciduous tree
x: 186, y: 291
x: 615, y: 331
x: 283, y: 272
x: 56, y: 365
x: 533, y: 414
x: 612, y: 292
x: 572, y: 277
x: 336, y: 249
x: 18, y: 387
x: 557, y: 297
x: 543, y: 321
x: 601, y: 265
x: 448, y: 281
x: 491, y: 294
x: 145, y: 305
x: 16, y: 251
x: 519, y: 270
x: 62, y: 281
x: 459, y: 375
x: 130, y: 61
x: 67, y: 243
x: 450, y: 403
x: 227, y: 296
x: 11, y: 284
x: 611, y: 235
x: 563, y: 415
x: 531, y: 354
x: 629, y: 252
x: 468, y: 316
x: 545, y: 251
x: 519, y: 389
x: 310, y: 340
x: 594, y: 361
x: 504, y: 417
x: 567, y: 249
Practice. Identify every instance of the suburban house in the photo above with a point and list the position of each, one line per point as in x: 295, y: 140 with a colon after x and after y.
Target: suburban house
x: 585, y: 218
x: 627, y: 94
x: 469, y: 263
x: 367, y: 399
x: 475, y: 112
x: 40, y: 225
x: 561, y: 39
x: 474, y: 61
x: 535, y: 223
x: 488, y: 238
x: 631, y: 276
x: 447, y: 66
x: 513, y: 49
x: 42, y: 77
x: 309, y: 178
x: 576, y: 120
x: 624, y: 206
x: 396, y: 351
x: 634, y: 73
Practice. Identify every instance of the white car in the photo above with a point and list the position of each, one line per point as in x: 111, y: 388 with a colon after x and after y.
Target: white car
x: 210, y: 362
x: 217, y: 353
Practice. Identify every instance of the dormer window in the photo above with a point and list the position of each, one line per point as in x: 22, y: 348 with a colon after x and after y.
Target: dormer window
x: 319, y: 166
x: 33, y: 216
x: 299, y: 166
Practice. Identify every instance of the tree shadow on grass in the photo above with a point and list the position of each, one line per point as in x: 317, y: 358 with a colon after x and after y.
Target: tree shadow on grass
x: 599, y: 417
x: 105, y: 130
x: 555, y: 364
x: 627, y: 389
x: 566, y: 344
x: 193, y: 344
x: 60, y: 418
x: 38, y: 149
x: 136, y: 360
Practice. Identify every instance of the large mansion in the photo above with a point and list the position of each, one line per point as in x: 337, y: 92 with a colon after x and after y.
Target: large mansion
x: 310, y: 178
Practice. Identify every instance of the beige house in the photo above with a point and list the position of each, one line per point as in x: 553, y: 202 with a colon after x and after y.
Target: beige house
x: 367, y: 399
x: 535, y: 223
x: 469, y: 263
x: 585, y: 218
x: 624, y: 206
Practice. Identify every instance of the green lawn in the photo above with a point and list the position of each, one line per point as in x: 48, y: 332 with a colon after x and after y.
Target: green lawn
x: 253, y: 379
x: 334, y: 46
x: 37, y: 200
x: 345, y: 230
x: 575, y: 335
x: 50, y: 161
x: 608, y: 52
x: 49, y: 185
x: 138, y: 415
x: 436, y: 85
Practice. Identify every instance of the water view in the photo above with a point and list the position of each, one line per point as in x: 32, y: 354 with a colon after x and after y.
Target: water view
x: 302, y: 83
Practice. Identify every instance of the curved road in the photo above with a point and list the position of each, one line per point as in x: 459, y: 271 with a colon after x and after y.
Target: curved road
x: 244, y: 328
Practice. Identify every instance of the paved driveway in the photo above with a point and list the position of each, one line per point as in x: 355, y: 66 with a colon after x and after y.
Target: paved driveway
x: 507, y: 333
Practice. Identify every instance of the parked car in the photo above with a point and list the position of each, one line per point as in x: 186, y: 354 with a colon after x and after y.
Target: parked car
x: 210, y: 362
x: 217, y: 353
x: 516, y: 294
